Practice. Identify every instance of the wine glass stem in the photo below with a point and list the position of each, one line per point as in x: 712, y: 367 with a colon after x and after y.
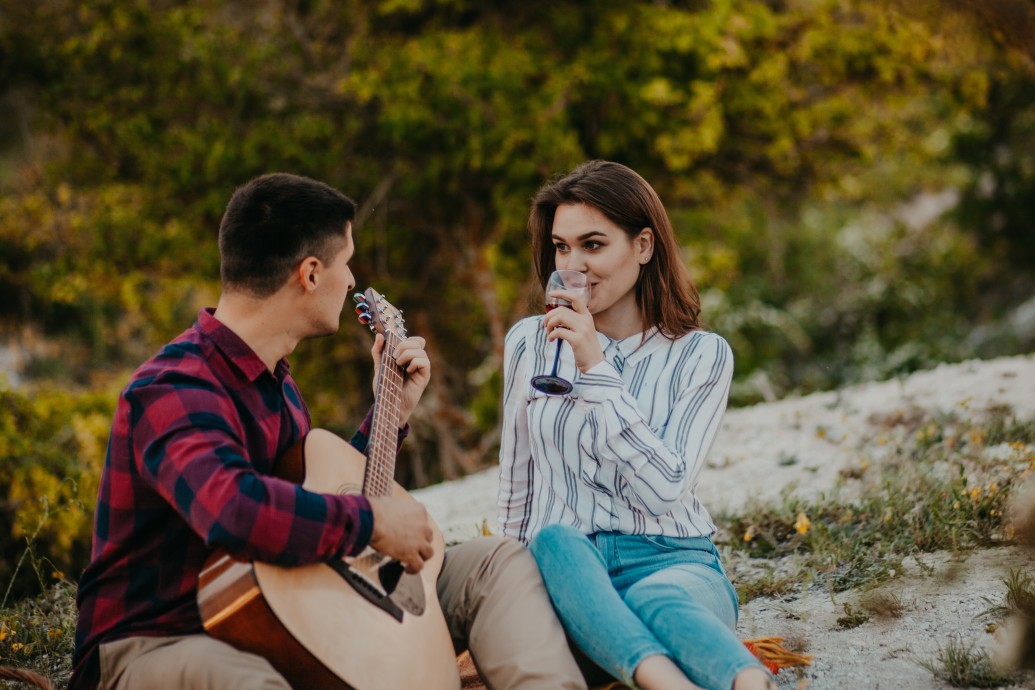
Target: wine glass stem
x: 557, y: 357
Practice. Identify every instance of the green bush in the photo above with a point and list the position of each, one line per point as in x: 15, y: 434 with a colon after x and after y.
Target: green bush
x: 52, y: 446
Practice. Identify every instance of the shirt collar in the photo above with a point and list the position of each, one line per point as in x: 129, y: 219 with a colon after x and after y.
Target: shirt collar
x: 235, y: 349
x: 633, y: 347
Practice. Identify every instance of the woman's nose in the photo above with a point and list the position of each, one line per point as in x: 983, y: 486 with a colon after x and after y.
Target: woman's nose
x: 572, y: 261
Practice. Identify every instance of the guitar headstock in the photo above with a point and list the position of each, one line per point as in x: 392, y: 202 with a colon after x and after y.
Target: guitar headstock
x: 379, y: 314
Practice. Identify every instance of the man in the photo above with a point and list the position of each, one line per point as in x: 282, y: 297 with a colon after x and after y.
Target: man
x: 188, y: 467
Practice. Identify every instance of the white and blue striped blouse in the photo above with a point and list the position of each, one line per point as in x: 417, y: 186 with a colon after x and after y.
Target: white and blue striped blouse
x: 623, y: 451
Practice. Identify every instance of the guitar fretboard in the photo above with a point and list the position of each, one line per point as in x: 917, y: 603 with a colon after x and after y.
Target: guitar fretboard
x: 377, y: 481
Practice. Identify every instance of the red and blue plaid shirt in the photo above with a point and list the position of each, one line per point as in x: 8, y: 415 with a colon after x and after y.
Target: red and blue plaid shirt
x: 187, y: 471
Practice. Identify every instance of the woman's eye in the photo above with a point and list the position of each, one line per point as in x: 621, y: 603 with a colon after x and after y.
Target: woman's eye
x: 593, y: 245
x: 560, y: 247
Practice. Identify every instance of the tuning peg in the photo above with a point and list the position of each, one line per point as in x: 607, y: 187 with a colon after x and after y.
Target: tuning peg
x: 359, y: 298
x: 365, y: 318
x: 363, y: 308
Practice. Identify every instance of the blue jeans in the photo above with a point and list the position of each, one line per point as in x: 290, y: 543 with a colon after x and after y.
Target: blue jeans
x: 625, y: 597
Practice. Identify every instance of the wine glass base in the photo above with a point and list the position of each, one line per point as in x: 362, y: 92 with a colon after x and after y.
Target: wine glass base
x: 551, y: 385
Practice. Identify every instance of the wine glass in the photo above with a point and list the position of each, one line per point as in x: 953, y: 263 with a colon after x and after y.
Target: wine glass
x: 569, y: 281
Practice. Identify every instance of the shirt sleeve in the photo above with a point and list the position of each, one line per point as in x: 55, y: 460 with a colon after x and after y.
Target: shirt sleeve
x: 660, y: 466
x: 516, y: 467
x: 361, y: 438
x: 193, y: 456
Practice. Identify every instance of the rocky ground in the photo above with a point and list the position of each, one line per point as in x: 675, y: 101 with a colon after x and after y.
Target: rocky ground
x: 800, y: 446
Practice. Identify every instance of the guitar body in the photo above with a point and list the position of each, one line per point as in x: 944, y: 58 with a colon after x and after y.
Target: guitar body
x: 360, y: 624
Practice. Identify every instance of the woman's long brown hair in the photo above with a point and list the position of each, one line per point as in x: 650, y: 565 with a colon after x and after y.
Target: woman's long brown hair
x: 665, y: 292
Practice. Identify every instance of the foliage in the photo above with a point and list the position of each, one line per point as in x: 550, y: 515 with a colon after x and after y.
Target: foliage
x: 39, y: 633
x: 779, y: 135
x: 52, y: 446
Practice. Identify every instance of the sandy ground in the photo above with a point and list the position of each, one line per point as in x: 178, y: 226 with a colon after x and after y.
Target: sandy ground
x: 799, y: 445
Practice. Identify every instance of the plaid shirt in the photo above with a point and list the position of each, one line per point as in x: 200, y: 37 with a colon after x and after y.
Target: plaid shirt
x: 187, y: 471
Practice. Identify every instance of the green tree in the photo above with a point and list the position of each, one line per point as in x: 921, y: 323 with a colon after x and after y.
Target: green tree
x: 771, y: 129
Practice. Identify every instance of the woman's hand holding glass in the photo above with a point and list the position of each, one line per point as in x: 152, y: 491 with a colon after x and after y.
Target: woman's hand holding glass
x: 575, y: 326
x: 573, y: 323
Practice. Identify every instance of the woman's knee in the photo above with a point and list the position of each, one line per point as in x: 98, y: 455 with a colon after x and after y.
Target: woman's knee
x: 554, y: 539
x: 691, y: 589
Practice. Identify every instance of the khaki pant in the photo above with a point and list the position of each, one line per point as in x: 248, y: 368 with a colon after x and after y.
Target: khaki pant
x: 494, y: 603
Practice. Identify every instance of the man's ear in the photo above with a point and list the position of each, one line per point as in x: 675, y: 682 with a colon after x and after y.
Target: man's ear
x: 308, y: 273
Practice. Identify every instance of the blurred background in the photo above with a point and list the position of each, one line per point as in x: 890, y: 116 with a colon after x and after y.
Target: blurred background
x: 853, y: 185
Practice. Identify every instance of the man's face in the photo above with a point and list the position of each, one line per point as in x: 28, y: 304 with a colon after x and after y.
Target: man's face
x: 335, y: 287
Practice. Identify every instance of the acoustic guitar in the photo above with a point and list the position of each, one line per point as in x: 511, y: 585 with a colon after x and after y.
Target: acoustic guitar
x: 360, y: 622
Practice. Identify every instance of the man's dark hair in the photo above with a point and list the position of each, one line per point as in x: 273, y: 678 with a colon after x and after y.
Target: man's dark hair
x: 275, y: 221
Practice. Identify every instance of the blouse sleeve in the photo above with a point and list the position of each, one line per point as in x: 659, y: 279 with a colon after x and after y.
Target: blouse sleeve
x: 515, y: 486
x: 661, y: 465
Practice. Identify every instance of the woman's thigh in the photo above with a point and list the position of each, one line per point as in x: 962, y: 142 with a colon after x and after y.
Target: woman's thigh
x: 650, y: 570
x: 692, y: 588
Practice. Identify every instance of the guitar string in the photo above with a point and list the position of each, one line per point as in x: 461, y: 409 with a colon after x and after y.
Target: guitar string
x: 382, y: 443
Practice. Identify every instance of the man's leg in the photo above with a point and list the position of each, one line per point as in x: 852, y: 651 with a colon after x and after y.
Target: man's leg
x: 191, y: 662
x: 496, y: 606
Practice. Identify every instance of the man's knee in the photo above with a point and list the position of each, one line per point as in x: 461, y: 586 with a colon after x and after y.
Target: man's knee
x: 486, y: 560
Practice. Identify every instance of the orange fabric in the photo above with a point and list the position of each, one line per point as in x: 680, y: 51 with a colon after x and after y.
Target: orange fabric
x: 774, y: 656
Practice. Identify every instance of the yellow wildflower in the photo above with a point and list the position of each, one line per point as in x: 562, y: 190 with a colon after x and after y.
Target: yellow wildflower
x: 801, y: 525
x: 750, y: 533
x: 54, y: 633
x: 17, y: 647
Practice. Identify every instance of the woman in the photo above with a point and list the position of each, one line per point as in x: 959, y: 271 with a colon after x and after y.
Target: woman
x: 601, y: 482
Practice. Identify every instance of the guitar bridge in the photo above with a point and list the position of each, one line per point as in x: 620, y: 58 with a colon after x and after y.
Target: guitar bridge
x: 396, y: 592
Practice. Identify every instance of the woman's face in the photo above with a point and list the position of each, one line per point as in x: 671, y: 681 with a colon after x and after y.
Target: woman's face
x: 584, y: 239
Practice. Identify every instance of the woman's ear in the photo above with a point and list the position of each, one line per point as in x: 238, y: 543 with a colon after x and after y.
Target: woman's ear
x: 645, y: 245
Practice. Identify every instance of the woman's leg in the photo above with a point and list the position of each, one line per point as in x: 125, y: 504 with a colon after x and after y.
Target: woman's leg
x: 593, y: 613
x: 691, y: 609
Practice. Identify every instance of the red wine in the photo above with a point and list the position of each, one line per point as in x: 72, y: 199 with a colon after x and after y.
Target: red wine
x: 558, y: 303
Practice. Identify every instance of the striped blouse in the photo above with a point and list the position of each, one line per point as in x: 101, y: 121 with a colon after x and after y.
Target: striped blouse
x: 623, y: 451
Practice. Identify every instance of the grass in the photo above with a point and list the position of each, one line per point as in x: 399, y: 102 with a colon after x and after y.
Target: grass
x: 853, y: 617
x: 38, y: 633
x: 1019, y: 598
x: 962, y: 666
x: 932, y: 483
x: 923, y: 483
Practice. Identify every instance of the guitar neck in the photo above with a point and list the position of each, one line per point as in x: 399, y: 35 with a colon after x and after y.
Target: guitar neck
x: 381, y: 447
